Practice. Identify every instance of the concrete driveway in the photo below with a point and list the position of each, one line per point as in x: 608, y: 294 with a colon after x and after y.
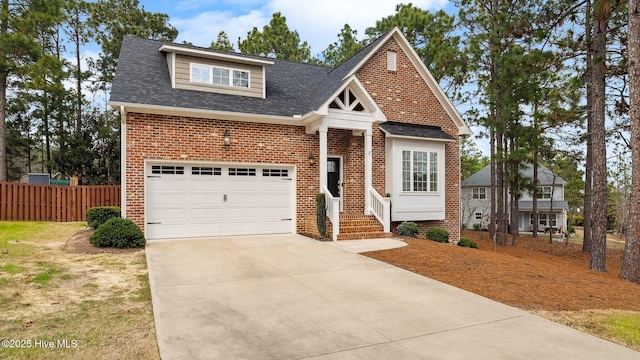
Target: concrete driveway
x: 291, y: 297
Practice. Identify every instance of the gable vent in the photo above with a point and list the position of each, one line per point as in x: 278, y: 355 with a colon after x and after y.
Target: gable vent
x: 391, y: 60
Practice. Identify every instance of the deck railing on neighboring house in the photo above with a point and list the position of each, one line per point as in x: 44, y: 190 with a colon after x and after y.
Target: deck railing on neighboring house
x: 333, y: 213
x: 380, y: 207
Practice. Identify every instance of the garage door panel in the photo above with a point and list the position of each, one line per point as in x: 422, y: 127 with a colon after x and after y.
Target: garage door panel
x: 244, y: 184
x: 207, y: 185
x: 242, y: 199
x: 199, y: 204
x: 199, y: 199
x: 166, y: 231
x: 167, y: 200
x: 275, y: 212
x: 274, y: 199
x: 206, y: 229
x: 169, y: 214
x: 248, y: 213
x: 167, y: 183
x: 207, y: 213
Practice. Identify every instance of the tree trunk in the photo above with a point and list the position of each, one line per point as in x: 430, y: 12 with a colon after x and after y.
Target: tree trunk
x: 586, y: 213
x: 599, y: 204
x: 78, y: 73
x: 631, y: 261
x: 4, y: 28
x: 534, y: 208
x: 492, y: 221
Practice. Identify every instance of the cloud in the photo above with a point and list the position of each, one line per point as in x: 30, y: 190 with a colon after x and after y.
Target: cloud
x: 202, y: 29
x: 317, y: 22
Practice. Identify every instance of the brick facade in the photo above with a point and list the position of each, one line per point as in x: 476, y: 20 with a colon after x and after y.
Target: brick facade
x: 402, y: 95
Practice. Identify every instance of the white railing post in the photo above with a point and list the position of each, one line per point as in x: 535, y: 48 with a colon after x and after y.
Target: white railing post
x: 380, y: 208
x: 333, y: 213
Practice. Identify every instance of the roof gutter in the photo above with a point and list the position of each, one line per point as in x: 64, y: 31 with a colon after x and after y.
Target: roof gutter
x: 294, y: 119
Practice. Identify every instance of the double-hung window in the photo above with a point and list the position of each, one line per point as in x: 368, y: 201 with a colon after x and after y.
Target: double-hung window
x: 208, y: 74
x: 479, y: 193
x: 419, y: 171
x: 544, y: 192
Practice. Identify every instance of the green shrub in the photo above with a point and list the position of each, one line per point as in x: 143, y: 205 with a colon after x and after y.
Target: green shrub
x: 118, y: 232
x: 321, y: 214
x: 466, y: 242
x: 477, y: 227
x: 408, y: 228
x: 97, y: 216
x: 577, y: 220
x: 438, y: 234
x: 572, y: 230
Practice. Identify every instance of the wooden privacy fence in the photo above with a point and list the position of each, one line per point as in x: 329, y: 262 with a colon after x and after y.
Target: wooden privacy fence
x: 32, y: 202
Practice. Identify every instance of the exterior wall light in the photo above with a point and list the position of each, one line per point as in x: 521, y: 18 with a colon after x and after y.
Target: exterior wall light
x: 312, y: 158
x: 227, y: 138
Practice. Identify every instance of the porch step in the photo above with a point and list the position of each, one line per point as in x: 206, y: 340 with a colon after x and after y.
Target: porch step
x: 358, y: 226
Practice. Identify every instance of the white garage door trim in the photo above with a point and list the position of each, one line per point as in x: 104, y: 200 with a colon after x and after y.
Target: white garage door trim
x: 222, y: 203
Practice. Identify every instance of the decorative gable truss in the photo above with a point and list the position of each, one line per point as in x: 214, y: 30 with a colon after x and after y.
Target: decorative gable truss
x: 350, y: 107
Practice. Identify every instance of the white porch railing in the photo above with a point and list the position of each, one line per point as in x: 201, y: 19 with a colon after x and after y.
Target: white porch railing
x: 380, y: 208
x: 333, y: 212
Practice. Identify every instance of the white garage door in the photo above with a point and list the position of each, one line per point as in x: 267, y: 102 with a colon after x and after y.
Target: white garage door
x: 184, y: 201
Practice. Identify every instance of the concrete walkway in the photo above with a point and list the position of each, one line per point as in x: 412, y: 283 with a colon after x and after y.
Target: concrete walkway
x: 290, y: 297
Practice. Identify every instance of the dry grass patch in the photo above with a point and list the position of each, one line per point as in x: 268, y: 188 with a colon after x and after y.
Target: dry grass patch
x: 52, y: 291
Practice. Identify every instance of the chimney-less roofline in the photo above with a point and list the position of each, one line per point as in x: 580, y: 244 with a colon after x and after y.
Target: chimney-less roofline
x: 215, y: 55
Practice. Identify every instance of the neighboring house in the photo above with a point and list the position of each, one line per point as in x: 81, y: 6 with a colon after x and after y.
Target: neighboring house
x: 220, y: 143
x: 552, y: 209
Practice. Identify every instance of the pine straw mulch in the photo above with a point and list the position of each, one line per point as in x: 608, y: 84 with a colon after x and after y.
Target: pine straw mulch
x: 534, y: 275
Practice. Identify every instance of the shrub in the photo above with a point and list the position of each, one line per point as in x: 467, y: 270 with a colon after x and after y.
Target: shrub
x: 408, y: 228
x: 118, y: 232
x: 438, y: 234
x: 321, y: 214
x: 572, y: 230
x: 466, y: 242
x: 577, y: 220
x: 97, y: 216
x: 477, y: 227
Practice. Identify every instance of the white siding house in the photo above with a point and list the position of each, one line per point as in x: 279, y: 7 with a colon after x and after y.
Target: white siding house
x: 552, y: 209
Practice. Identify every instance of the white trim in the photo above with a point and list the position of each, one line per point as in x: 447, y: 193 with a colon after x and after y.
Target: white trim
x: 210, y: 81
x: 368, y: 170
x: 463, y: 128
x: 211, y: 54
x: 264, y: 82
x: 173, y: 70
x: 211, y: 114
x: 123, y: 162
x: 354, y: 84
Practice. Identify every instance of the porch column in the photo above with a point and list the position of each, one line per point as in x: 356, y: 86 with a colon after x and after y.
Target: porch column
x: 368, y: 164
x: 323, y: 156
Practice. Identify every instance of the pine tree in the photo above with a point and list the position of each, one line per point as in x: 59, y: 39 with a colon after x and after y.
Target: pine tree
x: 276, y: 41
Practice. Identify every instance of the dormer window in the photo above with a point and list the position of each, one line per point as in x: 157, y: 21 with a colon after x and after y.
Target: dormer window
x: 207, y: 74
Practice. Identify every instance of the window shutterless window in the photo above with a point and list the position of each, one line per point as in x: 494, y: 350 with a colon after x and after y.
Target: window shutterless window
x: 544, y: 192
x: 479, y: 193
x: 208, y: 74
x: 419, y: 171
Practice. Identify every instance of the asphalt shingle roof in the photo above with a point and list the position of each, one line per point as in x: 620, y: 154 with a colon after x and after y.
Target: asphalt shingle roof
x: 292, y: 88
x: 415, y: 130
x: 524, y: 205
x: 545, y: 176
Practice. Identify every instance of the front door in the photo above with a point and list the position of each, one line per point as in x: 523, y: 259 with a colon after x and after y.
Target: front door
x: 333, y: 176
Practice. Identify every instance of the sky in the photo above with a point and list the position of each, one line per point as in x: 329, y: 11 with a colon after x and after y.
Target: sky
x: 317, y: 22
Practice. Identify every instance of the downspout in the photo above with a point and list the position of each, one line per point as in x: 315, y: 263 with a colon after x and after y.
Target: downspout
x: 123, y: 162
